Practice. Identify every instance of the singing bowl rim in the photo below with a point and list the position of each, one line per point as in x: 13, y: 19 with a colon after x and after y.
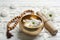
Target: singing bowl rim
x: 32, y: 27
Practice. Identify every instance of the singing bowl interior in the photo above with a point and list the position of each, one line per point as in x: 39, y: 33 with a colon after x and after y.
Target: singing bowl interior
x: 34, y: 16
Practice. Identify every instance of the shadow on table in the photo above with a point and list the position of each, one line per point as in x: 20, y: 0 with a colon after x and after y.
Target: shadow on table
x: 23, y: 36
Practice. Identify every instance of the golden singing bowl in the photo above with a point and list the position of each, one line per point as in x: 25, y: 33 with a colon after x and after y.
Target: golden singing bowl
x: 31, y: 30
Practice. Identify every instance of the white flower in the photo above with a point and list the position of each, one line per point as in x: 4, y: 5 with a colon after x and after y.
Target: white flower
x: 31, y: 23
x: 48, y: 13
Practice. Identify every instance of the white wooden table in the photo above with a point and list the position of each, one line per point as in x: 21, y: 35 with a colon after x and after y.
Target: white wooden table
x: 11, y: 8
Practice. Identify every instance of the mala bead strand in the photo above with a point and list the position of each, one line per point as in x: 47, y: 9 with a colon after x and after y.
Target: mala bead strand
x: 14, y: 20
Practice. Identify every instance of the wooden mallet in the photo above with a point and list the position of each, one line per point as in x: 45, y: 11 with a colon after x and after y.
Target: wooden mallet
x: 47, y: 24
